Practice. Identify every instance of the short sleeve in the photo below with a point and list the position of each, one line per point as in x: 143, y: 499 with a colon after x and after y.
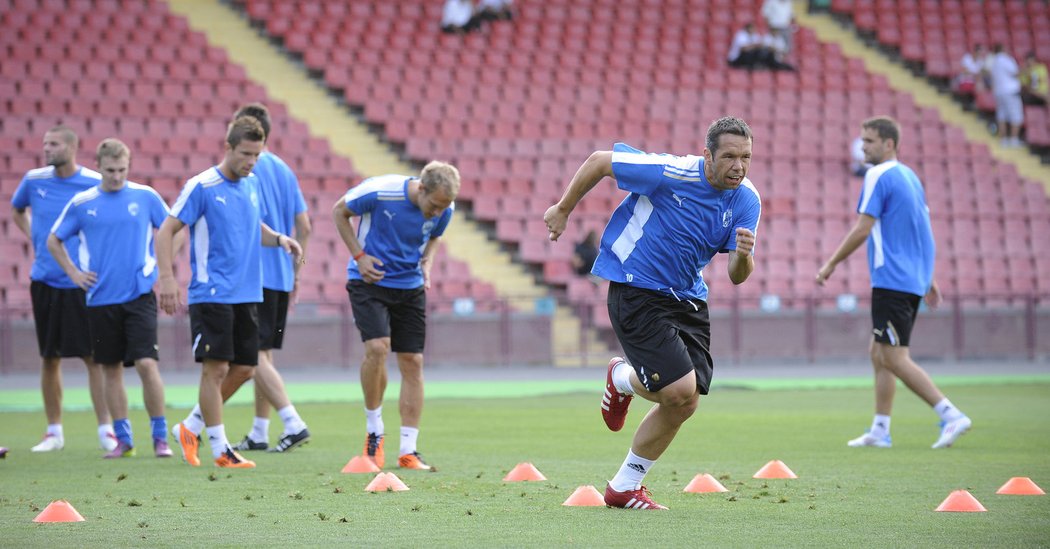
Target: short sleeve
x: 360, y: 201
x: 189, y: 206
x: 748, y: 218
x: 442, y: 224
x: 158, y: 210
x: 872, y: 199
x: 68, y: 223
x: 643, y: 173
x: 20, y: 200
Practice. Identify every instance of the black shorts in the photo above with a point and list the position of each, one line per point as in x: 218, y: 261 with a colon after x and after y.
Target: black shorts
x: 125, y: 332
x: 61, y: 318
x: 273, y: 316
x: 662, y: 338
x: 893, y: 316
x: 400, y: 315
x: 226, y: 332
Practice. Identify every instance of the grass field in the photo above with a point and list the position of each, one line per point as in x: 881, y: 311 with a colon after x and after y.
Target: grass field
x: 843, y: 497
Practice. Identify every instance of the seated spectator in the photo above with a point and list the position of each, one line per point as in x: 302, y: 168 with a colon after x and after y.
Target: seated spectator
x: 458, y: 17
x: 1034, y: 86
x: 496, y: 10
x: 751, y: 49
x: 974, y: 72
x: 585, y: 253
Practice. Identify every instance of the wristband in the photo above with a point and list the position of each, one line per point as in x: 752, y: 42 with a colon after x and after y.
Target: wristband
x: 359, y: 255
x: 279, y: 240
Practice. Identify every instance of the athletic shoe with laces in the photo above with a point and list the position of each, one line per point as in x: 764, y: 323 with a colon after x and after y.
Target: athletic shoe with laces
x: 49, y: 444
x: 108, y: 441
x: 374, y: 449
x: 614, y: 403
x: 951, y: 431
x: 413, y: 461
x: 189, y: 443
x: 161, y: 448
x: 249, y: 445
x: 290, y: 442
x: 631, y: 499
x: 232, y: 460
x: 122, y: 450
x: 868, y: 439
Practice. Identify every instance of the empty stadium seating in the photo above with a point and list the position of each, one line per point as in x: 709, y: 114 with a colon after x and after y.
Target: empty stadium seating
x: 521, y: 104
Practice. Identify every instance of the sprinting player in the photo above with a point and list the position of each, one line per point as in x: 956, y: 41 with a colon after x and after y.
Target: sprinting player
x: 682, y: 210
x: 895, y: 221
x: 284, y: 210
x: 117, y: 269
x: 59, y: 309
x: 402, y: 220
x: 221, y: 205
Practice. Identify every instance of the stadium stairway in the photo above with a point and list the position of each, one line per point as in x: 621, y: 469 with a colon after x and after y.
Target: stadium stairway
x: 327, y: 117
x: 828, y: 29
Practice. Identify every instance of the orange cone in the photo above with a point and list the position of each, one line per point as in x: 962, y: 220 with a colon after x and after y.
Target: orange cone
x: 1020, y: 486
x: 360, y: 464
x: 523, y: 472
x: 59, y: 511
x: 386, y: 482
x: 585, y: 496
x: 703, y: 484
x: 775, y: 469
x: 961, y: 501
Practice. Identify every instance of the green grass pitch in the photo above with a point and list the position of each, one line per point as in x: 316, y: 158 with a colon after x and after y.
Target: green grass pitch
x: 843, y: 497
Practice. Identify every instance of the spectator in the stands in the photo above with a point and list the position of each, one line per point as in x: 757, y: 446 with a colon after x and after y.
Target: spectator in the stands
x: 496, y: 10
x: 459, y: 17
x: 1006, y: 86
x: 1035, y: 88
x: 974, y: 73
x: 858, y: 164
x: 779, y: 16
x: 585, y: 253
x: 751, y: 49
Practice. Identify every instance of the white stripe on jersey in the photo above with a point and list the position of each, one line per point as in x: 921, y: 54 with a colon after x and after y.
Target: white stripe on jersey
x: 383, y: 184
x: 61, y: 216
x: 871, y: 178
x: 207, y: 178
x: 83, y: 256
x: 200, y: 248
x: 151, y: 262
x: 41, y: 173
x: 84, y: 196
x: 876, y: 240
x: 633, y: 232
x: 364, y: 228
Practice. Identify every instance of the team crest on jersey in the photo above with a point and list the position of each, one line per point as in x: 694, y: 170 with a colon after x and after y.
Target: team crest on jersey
x: 427, y: 227
x: 727, y: 217
x: 255, y: 200
x: 133, y: 208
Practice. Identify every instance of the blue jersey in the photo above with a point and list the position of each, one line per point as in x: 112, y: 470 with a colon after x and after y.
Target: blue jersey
x: 392, y: 229
x: 900, y: 247
x: 225, y: 237
x: 116, y: 238
x: 282, y: 201
x: 46, y: 195
x: 667, y: 230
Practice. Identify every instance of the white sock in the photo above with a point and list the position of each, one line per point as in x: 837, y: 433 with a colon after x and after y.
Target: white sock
x: 217, y: 440
x: 631, y: 473
x: 880, y: 426
x: 947, y: 411
x: 195, y: 421
x: 374, y: 420
x: 260, y: 429
x: 621, y: 377
x: 409, y: 436
x: 55, y: 429
x: 292, y: 422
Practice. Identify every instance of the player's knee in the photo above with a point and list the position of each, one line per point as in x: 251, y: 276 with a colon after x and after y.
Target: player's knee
x: 377, y: 349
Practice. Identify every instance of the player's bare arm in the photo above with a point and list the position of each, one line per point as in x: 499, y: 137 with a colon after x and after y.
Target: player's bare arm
x: 741, y: 261
x: 367, y: 265
x: 274, y: 239
x: 23, y: 222
x: 856, y: 236
x: 426, y: 262
x: 167, y: 288
x: 597, y: 166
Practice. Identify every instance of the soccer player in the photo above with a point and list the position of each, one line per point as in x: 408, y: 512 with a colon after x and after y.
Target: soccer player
x: 895, y: 221
x: 284, y: 209
x: 680, y: 212
x: 117, y: 269
x: 222, y: 206
x: 59, y: 308
x: 402, y: 220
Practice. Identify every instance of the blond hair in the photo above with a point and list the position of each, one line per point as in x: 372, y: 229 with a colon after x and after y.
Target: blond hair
x: 440, y: 175
x: 112, y: 147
